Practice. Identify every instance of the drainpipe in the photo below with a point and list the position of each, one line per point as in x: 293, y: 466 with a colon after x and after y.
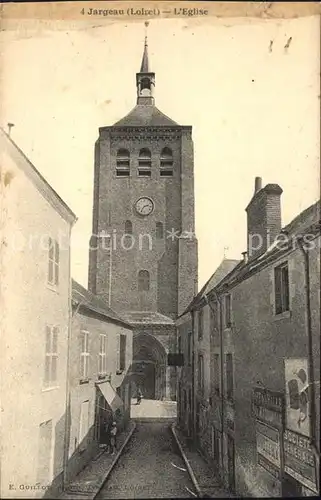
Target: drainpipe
x: 219, y: 303
x: 193, y: 379
x: 311, y: 387
x: 67, y: 403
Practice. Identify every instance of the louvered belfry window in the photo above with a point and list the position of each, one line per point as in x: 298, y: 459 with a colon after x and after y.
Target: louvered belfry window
x: 123, y: 163
x: 144, y: 163
x: 166, y: 162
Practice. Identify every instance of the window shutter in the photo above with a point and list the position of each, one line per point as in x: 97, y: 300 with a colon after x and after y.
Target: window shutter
x: 122, y: 354
x: 55, y: 340
x: 118, y: 354
x: 278, y: 290
x: 57, y: 257
x: 285, y: 281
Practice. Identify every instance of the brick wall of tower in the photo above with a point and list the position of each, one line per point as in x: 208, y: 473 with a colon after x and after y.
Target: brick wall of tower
x: 172, y: 263
x: 188, y: 259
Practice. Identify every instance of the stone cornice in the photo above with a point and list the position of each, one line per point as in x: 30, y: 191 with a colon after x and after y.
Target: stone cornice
x: 145, y: 133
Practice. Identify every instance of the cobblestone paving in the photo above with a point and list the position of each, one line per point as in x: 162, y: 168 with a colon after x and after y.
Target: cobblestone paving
x: 208, y: 483
x: 90, y: 479
x: 150, y: 467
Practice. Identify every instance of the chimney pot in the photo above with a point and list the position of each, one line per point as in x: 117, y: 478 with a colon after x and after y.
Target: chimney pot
x: 258, y: 184
x: 245, y: 257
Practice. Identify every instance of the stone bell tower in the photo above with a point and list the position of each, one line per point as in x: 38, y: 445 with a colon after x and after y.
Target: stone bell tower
x: 143, y: 257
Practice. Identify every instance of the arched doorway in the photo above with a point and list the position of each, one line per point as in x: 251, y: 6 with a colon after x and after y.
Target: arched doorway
x: 149, y: 367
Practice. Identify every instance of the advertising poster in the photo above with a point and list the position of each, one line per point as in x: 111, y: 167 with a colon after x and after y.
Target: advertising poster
x: 297, y: 397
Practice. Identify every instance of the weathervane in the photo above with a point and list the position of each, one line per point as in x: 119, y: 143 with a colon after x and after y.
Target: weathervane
x: 146, y: 26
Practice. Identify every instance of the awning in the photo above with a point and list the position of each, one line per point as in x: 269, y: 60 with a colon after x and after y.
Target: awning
x: 111, y: 396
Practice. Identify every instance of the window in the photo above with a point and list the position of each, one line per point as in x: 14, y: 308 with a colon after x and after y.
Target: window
x: 51, y: 358
x: 102, y: 363
x: 200, y: 372
x: 143, y: 281
x: 229, y: 377
x: 227, y: 310
x: 213, y: 317
x: 122, y: 163
x: 83, y: 425
x: 200, y: 323
x: 159, y: 231
x: 144, y: 163
x: 281, y: 283
x: 190, y: 350
x: 122, y: 353
x: 217, y: 374
x: 215, y: 446
x: 166, y: 163
x: 53, y: 262
x: 179, y: 344
x: 128, y: 227
x: 84, y: 356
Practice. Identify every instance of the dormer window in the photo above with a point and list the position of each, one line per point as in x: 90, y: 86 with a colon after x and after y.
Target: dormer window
x: 122, y: 163
x: 144, y: 163
x: 166, y: 163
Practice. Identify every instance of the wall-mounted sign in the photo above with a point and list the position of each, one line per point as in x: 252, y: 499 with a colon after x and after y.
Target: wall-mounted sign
x: 268, y: 410
x: 297, y: 396
x: 299, y: 461
x: 268, y: 449
x: 268, y: 406
x: 175, y: 359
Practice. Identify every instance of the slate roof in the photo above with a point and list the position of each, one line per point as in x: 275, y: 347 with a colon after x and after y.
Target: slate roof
x: 226, y: 266
x: 145, y: 116
x: 307, y: 222
x: 90, y: 301
x: 23, y: 162
x: 144, y: 68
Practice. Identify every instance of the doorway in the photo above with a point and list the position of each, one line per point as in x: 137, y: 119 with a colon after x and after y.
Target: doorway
x: 45, y: 453
x: 291, y: 487
x: 149, y: 366
x: 231, y: 462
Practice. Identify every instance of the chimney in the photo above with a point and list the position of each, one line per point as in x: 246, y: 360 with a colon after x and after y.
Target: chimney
x: 245, y: 257
x: 263, y: 218
x: 258, y: 184
x: 10, y: 125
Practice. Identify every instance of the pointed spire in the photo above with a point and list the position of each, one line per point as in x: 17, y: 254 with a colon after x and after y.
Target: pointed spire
x: 145, y: 79
x: 144, y: 68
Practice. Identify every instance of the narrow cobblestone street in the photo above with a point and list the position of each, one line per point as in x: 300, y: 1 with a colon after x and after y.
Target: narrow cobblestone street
x: 150, y: 467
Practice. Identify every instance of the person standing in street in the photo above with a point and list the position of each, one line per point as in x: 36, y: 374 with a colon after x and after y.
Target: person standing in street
x: 113, y: 434
x: 139, y: 396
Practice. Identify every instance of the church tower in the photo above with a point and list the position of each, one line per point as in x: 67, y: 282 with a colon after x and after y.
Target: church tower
x: 143, y: 250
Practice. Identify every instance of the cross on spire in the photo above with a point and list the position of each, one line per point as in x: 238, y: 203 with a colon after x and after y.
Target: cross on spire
x: 144, y: 68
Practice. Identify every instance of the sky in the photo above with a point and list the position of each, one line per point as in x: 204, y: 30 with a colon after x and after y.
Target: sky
x: 254, y: 107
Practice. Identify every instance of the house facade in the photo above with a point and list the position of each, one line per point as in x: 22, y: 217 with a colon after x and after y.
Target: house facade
x: 99, y: 381
x: 35, y: 327
x: 262, y: 420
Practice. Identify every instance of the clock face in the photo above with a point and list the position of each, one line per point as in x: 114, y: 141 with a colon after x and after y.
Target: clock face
x: 144, y: 206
